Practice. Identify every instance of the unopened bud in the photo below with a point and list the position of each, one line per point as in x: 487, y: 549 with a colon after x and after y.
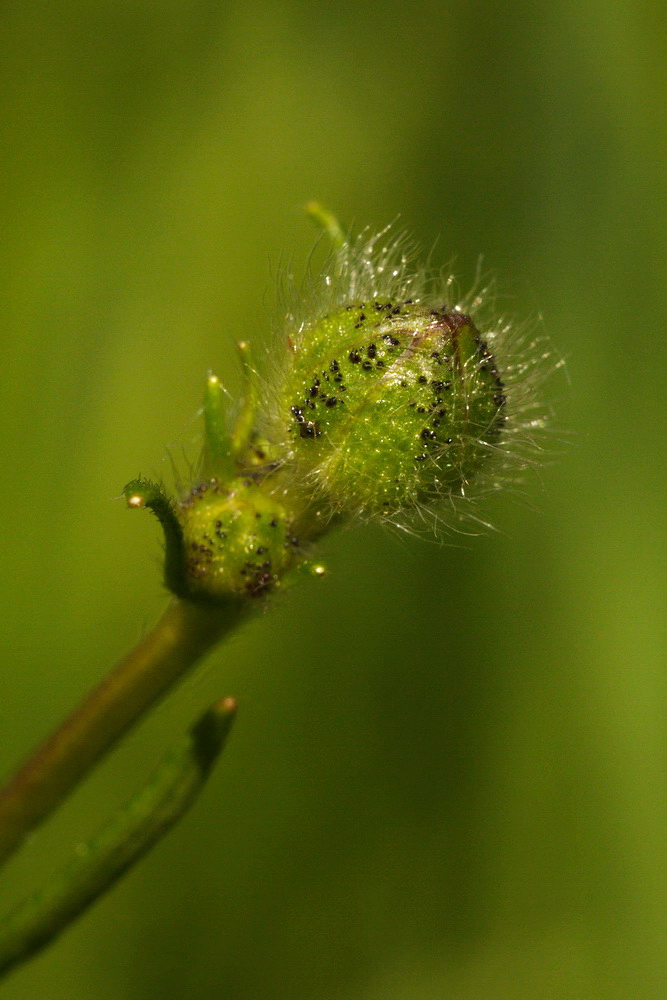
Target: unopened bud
x: 388, y: 405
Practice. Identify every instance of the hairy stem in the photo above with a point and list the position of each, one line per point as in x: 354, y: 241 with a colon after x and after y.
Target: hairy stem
x: 184, y: 633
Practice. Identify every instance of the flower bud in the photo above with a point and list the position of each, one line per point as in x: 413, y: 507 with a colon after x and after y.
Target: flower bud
x: 236, y: 540
x: 388, y: 405
x: 224, y: 541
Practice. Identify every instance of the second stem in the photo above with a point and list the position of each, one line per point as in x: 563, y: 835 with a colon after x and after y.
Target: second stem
x: 184, y: 633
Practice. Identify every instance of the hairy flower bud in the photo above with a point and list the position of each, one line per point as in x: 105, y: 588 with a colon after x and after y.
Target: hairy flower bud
x: 388, y: 405
x: 395, y: 399
x: 225, y: 541
x: 236, y: 539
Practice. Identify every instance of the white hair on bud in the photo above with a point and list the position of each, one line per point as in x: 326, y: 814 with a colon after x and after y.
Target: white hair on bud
x: 368, y: 266
x: 379, y: 266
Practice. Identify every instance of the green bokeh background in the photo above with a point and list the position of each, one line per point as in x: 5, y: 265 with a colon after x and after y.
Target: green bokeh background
x: 447, y: 779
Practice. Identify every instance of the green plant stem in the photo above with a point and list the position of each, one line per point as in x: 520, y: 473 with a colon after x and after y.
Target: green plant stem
x: 122, y: 842
x: 184, y: 633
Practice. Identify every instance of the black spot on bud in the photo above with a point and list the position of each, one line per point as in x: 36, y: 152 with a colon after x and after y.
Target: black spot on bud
x: 309, y: 429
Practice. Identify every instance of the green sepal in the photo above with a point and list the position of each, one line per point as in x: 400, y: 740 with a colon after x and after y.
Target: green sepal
x: 218, y: 458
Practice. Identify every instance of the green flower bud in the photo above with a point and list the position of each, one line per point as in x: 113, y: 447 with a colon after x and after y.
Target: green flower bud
x: 237, y: 539
x: 224, y: 541
x: 390, y: 405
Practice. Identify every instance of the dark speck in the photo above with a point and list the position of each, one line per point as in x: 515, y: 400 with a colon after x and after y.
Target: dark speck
x: 309, y: 429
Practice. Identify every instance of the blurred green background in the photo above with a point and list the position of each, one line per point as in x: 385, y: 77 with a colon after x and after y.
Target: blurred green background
x: 447, y: 779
